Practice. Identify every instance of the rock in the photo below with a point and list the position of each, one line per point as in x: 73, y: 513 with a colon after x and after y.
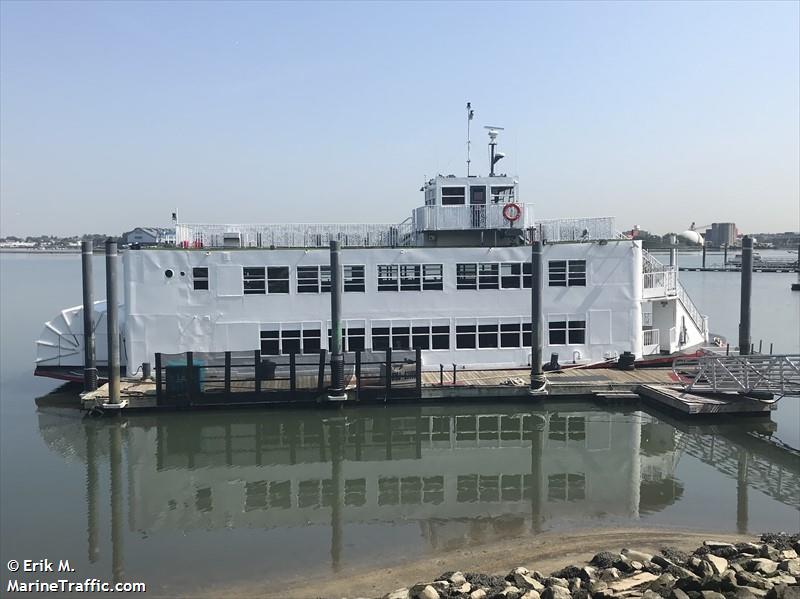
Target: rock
x: 751, y: 580
x: 653, y: 568
x: 398, y: 594
x: 427, y: 592
x: 790, y: 566
x: 717, y: 545
x: 597, y: 586
x: 689, y: 584
x: 526, y: 581
x: 477, y: 594
x: 463, y: 589
x: 588, y: 573
x: 662, y: 561
x: 728, y: 580
x: 531, y: 594
x: 770, y: 552
x: 632, y: 582
x: 556, y: 592
x: 783, y: 591
x: 604, y: 559
x: 788, y: 554
x: 740, y: 593
x: 568, y: 572
x: 719, y: 564
x: 610, y: 574
x: 637, y: 555
x: 678, y: 594
x: 664, y: 580
x: 757, y: 592
x: 761, y: 565
x: 712, y: 595
x: 712, y: 583
x: 737, y: 567
x: 748, y: 548
x: 782, y: 578
x: 555, y: 581
x: 510, y: 592
x: 456, y: 579
x: 636, y: 565
x: 649, y: 594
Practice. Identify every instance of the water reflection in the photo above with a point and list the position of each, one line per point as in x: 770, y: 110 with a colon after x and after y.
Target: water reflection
x: 465, y: 474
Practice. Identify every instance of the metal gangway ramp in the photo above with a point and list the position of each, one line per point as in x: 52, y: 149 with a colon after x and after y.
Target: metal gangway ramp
x: 713, y: 373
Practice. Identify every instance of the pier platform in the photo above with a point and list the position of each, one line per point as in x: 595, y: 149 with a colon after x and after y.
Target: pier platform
x: 656, y: 386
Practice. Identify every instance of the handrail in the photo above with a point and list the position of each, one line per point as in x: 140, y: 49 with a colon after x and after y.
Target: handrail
x: 738, y: 373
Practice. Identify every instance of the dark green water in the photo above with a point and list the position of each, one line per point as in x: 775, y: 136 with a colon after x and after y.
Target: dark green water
x: 182, y: 500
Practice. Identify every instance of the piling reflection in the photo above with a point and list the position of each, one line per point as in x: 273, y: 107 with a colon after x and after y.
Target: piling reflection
x: 465, y: 475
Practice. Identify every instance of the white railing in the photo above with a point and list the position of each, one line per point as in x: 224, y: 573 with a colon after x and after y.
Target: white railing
x: 658, y: 280
x: 193, y: 235
x: 717, y: 373
x: 467, y: 217
x: 651, y: 341
x: 699, y: 320
x: 578, y: 229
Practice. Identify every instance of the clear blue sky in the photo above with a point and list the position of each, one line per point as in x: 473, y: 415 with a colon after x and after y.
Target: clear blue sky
x: 112, y: 114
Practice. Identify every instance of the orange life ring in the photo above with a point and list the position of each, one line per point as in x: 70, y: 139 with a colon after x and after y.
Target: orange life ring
x: 512, y: 212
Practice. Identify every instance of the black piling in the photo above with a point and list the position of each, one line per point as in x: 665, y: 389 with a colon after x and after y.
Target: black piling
x: 704, y: 254
x: 112, y: 321
x: 537, y: 378
x: 747, y: 291
x: 89, y: 364
x: 337, y: 355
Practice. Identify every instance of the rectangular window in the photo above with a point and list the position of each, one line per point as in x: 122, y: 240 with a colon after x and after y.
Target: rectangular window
x: 410, y: 277
x: 254, y: 280
x: 510, y: 334
x: 440, y: 336
x: 308, y: 279
x: 401, y: 337
x: 380, y: 338
x: 502, y: 194
x: 421, y: 337
x: 563, y: 273
x: 567, y: 332
x: 387, y: 277
x: 576, y: 273
x: 295, y: 339
x: 487, y: 335
x: 453, y: 196
x: 277, y: 279
x: 557, y: 273
x: 488, y: 276
x: 432, y: 277
x: 510, y: 275
x: 200, y: 277
x: 527, y: 276
x: 355, y: 338
x: 354, y: 278
x: 466, y: 276
x: 465, y: 336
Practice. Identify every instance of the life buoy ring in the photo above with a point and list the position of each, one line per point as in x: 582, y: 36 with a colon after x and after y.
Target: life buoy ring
x: 512, y: 212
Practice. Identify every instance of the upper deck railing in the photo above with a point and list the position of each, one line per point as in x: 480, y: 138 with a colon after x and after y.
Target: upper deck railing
x: 470, y: 217
x: 286, y: 235
x: 578, y: 229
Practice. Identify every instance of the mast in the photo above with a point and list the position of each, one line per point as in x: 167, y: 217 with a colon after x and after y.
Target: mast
x: 470, y: 115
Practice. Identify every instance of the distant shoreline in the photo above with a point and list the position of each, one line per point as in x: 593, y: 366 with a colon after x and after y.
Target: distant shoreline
x: 44, y: 251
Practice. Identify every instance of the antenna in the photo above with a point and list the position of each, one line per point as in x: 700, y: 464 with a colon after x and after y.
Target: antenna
x: 493, y: 157
x: 470, y: 115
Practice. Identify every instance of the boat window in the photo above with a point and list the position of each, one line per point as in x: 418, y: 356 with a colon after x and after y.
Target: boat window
x: 387, y: 277
x: 440, y: 337
x: 487, y: 335
x: 278, y: 279
x: 254, y: 280
x: 502, y: 194
x: 354, y: 278
x: 313, y: 279
x: 576, y: 273
x: 466, y: 276
x: 566, y: 486
x: 557, y: 273
x: 410, y: 277
x: 563, y: 273
x: 355, y: 338
x: 453, y: 196
x: 527, y: 276
x: 510, y: 334
x: 296, y: 338
x: 465, y: 336
x: 567, y: 332
x: 401, y: 338
x: 200, y: 277
x: 432, y: 277
x: 510, y: 275
x: 488, y: 276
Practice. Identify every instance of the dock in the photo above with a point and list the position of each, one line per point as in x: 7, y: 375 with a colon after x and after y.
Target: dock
x: 665, y: 387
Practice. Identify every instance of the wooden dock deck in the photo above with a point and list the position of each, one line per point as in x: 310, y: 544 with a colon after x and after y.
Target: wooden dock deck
x: 656, y: 386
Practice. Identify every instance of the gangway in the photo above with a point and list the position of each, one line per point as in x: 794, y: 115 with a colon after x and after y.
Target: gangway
x: 777, y: 374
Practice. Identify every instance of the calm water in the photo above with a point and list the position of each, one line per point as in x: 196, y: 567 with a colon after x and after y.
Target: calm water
x: 182, y: 500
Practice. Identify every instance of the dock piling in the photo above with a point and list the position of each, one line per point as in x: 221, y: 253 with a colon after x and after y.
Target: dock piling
x: 337, y: 356
x: 673, y: 250
x: 704, y: 254
x: 746, y: 294
x: 112, y: 322
x: 537, y: 378
x: 89, y: 364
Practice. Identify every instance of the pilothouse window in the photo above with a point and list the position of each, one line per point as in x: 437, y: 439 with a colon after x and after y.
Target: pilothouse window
x: 453, y: 196
x: 200, y: 277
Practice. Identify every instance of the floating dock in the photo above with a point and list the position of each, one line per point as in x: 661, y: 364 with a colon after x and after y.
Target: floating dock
x: 656, y: 386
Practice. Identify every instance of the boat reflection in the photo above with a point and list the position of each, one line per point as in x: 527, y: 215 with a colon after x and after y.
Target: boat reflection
x: 465, y: 474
